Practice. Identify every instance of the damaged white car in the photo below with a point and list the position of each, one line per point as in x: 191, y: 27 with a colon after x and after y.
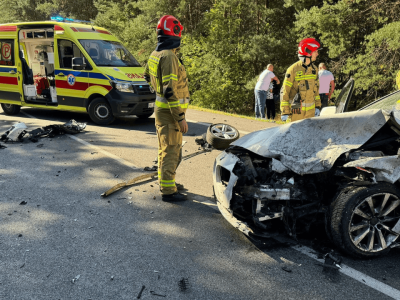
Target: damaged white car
x: 342, y: 169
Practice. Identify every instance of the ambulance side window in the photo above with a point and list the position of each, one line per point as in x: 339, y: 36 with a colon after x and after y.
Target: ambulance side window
x: 7, y: 53
x: 68, y: 50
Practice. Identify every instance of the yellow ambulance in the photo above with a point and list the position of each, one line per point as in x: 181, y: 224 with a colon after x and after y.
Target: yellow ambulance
x: 70, y: 67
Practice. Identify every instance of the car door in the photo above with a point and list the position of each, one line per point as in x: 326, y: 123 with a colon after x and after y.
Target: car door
x: 71, y: 85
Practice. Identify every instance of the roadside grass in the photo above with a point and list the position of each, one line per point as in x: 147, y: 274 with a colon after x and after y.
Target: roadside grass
x: 277, y: 117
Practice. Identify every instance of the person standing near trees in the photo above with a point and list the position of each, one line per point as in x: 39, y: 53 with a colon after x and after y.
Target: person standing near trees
x: 167, y: 76
x: 300, y: 96
x: 326, y: 79
x: 260, y: 91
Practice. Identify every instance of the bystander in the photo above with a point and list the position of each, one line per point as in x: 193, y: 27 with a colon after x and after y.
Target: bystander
x: 326, y: 79
x: 260, y: 91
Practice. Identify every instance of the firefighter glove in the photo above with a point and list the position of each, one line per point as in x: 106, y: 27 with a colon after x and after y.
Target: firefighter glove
x: 317, y: 112
x: 296, y: 111
x: 284, y: 118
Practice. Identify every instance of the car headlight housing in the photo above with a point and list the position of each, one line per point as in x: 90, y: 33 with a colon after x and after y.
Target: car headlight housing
x: 122, y: 86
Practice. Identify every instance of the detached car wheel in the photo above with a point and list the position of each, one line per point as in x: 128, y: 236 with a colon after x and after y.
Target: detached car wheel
x: 10, y: 109
x: 220, y: 136
x: 146, y: 116
x: 365, y: 221
x: 100, y: 112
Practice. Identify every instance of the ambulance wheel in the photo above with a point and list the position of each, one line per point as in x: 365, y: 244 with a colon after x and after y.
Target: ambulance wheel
x: 220, y: 136
x: 100, y: 112
x: 10, y: 109
x: 146, y: 116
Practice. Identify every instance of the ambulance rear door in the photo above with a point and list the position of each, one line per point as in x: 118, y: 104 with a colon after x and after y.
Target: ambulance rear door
x: 9, y: 71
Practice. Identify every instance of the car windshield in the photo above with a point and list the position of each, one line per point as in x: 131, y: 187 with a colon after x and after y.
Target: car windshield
x: 109, y: 54
x: 387, y: 102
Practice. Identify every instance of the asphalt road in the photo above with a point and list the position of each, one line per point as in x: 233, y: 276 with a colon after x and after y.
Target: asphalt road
x: 67, y: 242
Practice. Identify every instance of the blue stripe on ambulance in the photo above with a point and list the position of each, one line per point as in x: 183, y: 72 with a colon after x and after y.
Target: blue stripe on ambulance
x: 5, y: 70
x: 82, y: 74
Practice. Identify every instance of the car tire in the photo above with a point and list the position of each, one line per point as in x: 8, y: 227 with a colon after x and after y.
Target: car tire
x: 100, y: 112
x: 10, y: 109
x: 146, y: 116
x: 358, y: 219
x: 220, y: 136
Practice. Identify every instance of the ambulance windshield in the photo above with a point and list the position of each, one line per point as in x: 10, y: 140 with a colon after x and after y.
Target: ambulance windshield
x: 109, y: 54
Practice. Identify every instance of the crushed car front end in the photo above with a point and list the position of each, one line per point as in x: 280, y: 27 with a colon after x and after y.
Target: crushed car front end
x: 287, y: 178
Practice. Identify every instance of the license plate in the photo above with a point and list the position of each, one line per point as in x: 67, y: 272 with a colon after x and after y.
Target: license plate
x: 151, y: 105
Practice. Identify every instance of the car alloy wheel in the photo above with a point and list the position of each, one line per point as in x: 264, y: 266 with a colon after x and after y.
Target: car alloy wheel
x: 224, y: 131
x: 375, y: 222
x: 220, y: 136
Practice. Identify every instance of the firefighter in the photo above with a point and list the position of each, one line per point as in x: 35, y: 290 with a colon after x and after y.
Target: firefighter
x: 300, y: 89
x: 167, y: 76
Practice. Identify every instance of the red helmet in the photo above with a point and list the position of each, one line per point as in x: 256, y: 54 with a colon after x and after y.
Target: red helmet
x: 169, y: 25
x: 308, y: 46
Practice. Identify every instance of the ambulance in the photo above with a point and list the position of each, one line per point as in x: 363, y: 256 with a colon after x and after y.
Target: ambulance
x: 71, y: 66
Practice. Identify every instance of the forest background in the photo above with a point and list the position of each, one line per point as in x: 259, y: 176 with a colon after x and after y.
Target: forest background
x: 228, y: 43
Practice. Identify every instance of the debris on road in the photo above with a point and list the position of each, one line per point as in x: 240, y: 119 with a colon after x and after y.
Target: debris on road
x: 18, y: 132
x: 140, y: 293
x: 155, y: 294
x: 183, y: 284
x: 40, y: 145
x: 286, y: 269
x: 23, y: 203
x: 128, y: 183
x: 333, y: 259
x: 76, y: 278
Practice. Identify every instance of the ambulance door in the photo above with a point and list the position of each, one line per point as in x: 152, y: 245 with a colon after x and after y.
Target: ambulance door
x: 9, y: 90
x: 71, y: 85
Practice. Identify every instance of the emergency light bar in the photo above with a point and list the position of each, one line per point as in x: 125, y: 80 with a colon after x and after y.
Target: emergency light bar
x: 62, y: 19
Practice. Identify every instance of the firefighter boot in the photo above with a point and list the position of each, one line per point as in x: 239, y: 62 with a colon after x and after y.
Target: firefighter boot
x: 175, y: 197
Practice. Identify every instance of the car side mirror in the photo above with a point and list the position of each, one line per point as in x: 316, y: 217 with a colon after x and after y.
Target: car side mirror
x: 78, y: 63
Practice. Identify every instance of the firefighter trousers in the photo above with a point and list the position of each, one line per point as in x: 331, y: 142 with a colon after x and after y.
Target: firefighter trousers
x: 169, y: 155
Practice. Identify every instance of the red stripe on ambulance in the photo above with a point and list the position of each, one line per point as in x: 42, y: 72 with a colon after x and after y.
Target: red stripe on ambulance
x: 8, y: 28
x: 8, y: 80
x: 80, y: 86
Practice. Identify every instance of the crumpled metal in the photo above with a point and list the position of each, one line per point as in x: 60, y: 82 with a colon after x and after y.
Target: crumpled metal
x: 313, y: 145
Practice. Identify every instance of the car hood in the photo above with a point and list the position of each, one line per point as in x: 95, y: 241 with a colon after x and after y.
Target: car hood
x: 313, y: 145
x: 123, y: 73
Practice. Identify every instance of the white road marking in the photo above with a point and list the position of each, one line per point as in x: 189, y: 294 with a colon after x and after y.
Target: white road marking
x: 208, y: 124
x: 206, y: 202
x: 356, y: 275
x: 120, y: 160
x: 360, y: 277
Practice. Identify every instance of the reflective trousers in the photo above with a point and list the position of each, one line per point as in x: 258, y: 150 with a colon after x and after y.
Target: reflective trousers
x: 169, y: 155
